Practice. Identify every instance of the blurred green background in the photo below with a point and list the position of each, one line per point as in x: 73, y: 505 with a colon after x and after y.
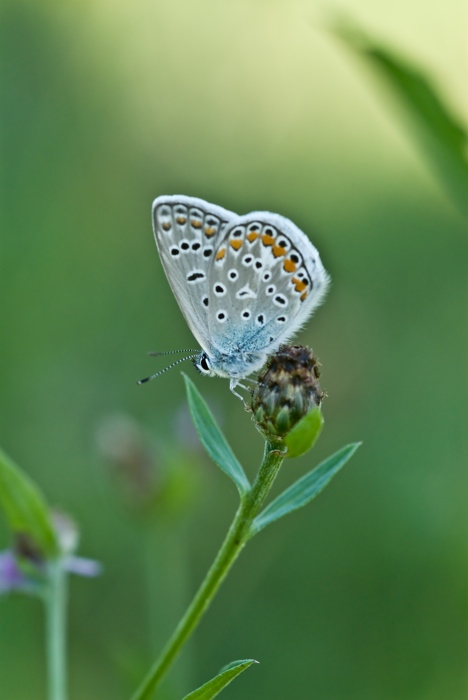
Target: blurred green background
x: 251, y: 105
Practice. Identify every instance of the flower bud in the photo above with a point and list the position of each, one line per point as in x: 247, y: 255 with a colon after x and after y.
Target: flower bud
x: 286, y: 391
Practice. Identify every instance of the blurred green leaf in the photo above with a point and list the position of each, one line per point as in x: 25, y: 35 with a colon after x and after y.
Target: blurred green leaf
x: 213, y: 439
x: 304, y: 434
x: 212, y: 688
x: 304, y: 489
x: 25, y: 507
x: 439, y: 134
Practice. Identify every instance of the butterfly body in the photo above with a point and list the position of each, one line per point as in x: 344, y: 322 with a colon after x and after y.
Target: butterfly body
x: 245, y: 284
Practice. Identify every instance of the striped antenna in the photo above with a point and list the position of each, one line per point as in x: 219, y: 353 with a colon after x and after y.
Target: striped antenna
x: 171, y: 352
x: 174, y: 364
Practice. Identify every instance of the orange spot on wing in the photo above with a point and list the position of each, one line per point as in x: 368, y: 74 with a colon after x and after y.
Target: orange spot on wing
x: 303, y: 296
x: 289, y: 266
x: 300, y: 286
x: 210, y: 231
x: 267, y: 240
x: 195, y: 223
x: 252, y: 236
x: 278, y: 251
x: 235, y: 243
x: 220, y: 254
x: 166, y: 226
x: 181, y: 219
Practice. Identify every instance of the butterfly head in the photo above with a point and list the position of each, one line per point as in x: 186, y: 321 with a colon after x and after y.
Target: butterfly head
x: 236, y: 365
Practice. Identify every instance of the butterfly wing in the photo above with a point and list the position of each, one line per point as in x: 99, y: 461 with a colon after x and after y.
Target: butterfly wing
x: 187, y: 232
x: 264, y: 281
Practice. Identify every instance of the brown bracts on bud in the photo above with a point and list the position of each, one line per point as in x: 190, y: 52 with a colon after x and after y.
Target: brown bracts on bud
x: 286, y: 391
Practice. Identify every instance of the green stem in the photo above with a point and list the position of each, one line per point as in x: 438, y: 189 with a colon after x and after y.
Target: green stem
x: 56, y: 604
x: 233, y: 544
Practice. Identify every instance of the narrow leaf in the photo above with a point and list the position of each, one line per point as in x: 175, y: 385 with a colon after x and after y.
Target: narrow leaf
x: 215, y: 686
x: 304, y: 434
x: 304, y: 489
x: 25, y: 507
x: 435, y: 129
x: 213, y: 439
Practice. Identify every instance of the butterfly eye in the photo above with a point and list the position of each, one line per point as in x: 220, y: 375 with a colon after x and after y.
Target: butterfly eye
x: 203, y: 364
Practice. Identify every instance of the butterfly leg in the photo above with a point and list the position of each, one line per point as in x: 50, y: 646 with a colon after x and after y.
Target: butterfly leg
x: 232, y: 385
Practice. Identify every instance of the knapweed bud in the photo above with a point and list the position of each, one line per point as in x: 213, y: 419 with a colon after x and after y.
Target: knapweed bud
x: 286, y: 391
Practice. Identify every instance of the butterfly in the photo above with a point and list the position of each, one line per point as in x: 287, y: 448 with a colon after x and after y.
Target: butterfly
x: 245, y: 284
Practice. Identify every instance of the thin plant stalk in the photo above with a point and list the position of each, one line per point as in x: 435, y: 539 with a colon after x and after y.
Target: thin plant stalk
x: 237, y: 536
x: 55, y: 607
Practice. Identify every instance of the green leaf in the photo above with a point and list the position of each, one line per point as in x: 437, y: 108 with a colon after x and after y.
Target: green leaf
x: 438, y: 133
x: 213, y: 439
x: 303, y: 436
x: 25, y: 507
x: 304, y: 489
x: 225, y: 676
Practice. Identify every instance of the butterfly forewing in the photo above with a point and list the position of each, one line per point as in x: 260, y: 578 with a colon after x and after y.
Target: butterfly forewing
x: 187, y: 232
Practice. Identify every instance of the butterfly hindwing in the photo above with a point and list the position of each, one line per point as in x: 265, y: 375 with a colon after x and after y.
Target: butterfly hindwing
x: 265, y: 279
